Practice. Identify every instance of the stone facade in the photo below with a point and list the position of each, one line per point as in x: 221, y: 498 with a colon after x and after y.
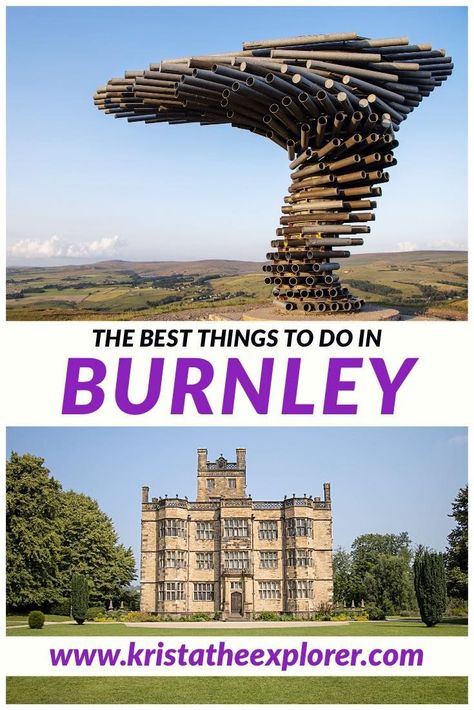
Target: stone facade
x: 226, y: 553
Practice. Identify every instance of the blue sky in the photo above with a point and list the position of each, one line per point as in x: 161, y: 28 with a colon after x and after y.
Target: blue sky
x: 383, y: 479
x: 80, y: 182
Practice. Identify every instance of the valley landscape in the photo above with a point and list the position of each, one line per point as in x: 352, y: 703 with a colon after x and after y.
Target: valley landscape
x: 429, y: 285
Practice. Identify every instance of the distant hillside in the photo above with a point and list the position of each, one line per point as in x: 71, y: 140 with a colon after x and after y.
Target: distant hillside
x: 228, y: 267
x: 412, y: 257
x: 225, y: 267
x: 430, y: 283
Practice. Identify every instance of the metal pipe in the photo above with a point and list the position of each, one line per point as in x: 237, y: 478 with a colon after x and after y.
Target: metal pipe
x: 286, y: 87
x: 330, y: 229
x: 296, y: 41
x: 310, y: 170
x: 320, y: 130
x: 341, y: 69
x: 358, y: 57
x: 351, y: 177
x: 309, y: 104
x: 293, y: 108
x: 280, y: 113
x: 259, y: 84
x: 304, y: 139
x: 330, y: 147
x: 290, y: 144
x: 305, y: 155
x: 323, y: 98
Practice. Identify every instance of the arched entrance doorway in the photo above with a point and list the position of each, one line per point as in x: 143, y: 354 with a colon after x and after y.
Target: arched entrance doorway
x: 236, y: 603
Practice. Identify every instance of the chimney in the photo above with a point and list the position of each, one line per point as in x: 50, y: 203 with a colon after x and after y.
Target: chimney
x: 145, y: 492
x: 202, y: 459
x: 240, y: 454
x: 327, y: 492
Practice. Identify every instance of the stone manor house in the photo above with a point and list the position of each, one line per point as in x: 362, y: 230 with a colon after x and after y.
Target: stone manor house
x: 226, y: 553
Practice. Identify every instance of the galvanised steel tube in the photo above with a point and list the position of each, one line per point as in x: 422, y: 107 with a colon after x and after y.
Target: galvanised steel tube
x: 297, y: 41
x: 290, y: 145
x: 308, y: 104
x: 325, y: 54
x: 332, y: 102
x: 293, y: 107
x: 300, y: 71
x: 283, y: 116
x: 261, y: 85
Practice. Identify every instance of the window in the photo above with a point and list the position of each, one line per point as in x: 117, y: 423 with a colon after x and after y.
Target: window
x: 299, y: 558
x: 236, y: 586
x: 175, y: 527
x: 210, y: 484
x: 170, y: 591
x: 268, y: 530
x: 269, y: 590
x: 269, y: 559
x: 171, y: 558
x: 236, y: 527
x: 299, y: 527
x: 300, y: 589
x: 205, y: 560
x: 205, y: 530
x: 232, y: 483
x: 236, y: 559
x: 203, y: 592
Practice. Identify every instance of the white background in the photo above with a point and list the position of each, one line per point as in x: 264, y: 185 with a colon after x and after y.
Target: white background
x: 441, y: 656
x: 435, y: 393
x: 438, y: 392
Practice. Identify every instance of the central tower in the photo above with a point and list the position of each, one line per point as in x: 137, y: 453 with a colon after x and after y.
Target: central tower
x: 221, y: 478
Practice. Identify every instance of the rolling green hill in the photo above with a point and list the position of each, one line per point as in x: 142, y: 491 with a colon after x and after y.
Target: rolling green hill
x: 432, y: 284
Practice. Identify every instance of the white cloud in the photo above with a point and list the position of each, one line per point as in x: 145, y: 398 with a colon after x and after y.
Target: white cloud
x: 99, y: 247
x: 56, y: 247
x: 407, y: 246
x: 31, y: 248
x: 448, y: 244
x: 437, y: 244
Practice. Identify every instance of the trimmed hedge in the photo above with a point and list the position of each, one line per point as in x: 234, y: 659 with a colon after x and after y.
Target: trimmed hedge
x: 36, y: 619
x: 375, y: 614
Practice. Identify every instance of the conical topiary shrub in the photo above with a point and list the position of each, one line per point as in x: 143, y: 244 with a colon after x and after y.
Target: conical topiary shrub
x: 79, y: 597
x: 430, y: 585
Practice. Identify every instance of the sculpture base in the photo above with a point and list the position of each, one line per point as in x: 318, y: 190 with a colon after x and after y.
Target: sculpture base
x: 276, y: 312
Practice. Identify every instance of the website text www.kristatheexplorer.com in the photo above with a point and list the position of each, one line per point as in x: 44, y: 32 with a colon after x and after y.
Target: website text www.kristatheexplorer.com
x: 219, y: 655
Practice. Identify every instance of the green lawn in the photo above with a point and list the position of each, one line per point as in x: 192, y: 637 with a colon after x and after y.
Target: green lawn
x: 359, y: 628
x: 15, y: 619
x: 387, y: 690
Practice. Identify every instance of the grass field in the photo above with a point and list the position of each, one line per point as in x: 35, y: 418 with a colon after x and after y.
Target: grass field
x: 386, y: 690
x: 429, y: 283
x: 358, y: 628
x: 15, y: 619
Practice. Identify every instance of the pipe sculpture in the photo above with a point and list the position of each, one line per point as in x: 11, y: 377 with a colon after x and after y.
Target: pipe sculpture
x: 334, y: 102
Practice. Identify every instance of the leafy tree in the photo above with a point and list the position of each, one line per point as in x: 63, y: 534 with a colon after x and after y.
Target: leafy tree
x: 32, y: 535
x: 456, y: 554
x: 381, y: 571
x: 79, y: 598
x: 430, y: 585
x: 51, y: 532
x: 342, y: 576
x: 90, y: 546
x: 130, y: 597
x: 377, y: 570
